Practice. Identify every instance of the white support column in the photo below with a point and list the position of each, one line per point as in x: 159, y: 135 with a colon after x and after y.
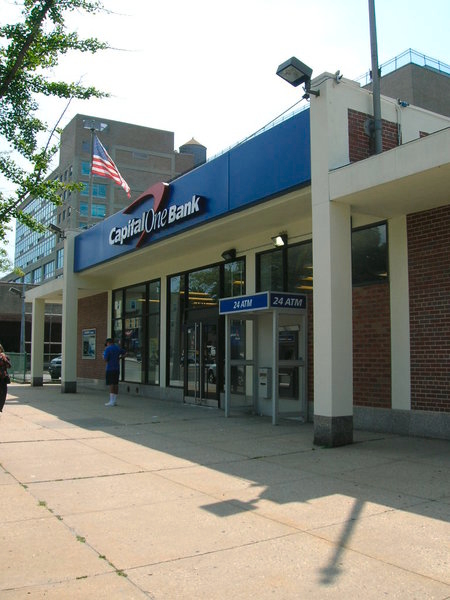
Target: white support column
x: 69, y: 320
x: 399, y: 299
x: 333, y: 361
x: 37, y: 341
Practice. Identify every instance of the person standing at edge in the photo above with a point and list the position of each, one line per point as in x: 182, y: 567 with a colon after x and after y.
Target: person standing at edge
x: 112, y: 355
x: 5, y: 364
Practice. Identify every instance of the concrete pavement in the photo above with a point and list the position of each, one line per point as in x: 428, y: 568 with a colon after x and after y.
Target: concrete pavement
x: 168, y: 501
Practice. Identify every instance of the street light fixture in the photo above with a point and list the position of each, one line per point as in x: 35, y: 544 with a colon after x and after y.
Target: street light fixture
x: 57, y: 231
x: 295, y: 72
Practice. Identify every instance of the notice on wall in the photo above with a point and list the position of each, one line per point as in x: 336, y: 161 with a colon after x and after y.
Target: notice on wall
x: 88, y: 342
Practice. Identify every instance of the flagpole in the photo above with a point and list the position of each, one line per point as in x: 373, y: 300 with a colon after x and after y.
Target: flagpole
x: 91, y: 175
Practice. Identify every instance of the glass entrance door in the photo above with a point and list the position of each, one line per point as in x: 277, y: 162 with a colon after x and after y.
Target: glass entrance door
x: 201, y: 368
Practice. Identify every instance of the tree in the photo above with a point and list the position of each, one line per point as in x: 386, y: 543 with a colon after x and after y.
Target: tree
x: 30, y: 49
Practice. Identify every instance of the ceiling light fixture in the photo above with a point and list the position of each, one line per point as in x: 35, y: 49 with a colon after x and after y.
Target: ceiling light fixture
x: 229, y: 254
x: 280, y: 240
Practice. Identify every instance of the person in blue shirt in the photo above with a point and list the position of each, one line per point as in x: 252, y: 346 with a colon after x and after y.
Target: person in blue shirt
x: 112, y: 355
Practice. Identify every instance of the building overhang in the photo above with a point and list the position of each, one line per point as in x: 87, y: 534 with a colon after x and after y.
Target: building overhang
x: 52, y: 291
x: 205, y: 242
x: 405, y: 180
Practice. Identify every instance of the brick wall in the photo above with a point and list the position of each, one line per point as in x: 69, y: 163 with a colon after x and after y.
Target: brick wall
x: 371, y: 346
x: 361, y: 145
x: 92, y: 314
x: 429, y: 284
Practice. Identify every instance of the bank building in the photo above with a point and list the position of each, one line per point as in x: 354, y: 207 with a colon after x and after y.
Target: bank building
x: 297, y: 275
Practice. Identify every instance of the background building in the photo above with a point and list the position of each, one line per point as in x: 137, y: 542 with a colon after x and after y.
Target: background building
x: 143, y: 156
x: 416, y: 79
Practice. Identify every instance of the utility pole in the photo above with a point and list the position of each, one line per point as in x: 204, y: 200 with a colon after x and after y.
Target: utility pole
x: 377, y: 130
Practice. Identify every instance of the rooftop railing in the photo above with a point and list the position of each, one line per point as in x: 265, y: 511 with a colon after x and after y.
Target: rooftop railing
x: 408, y: 57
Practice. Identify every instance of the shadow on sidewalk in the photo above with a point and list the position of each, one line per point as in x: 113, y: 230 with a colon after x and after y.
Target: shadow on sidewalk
x: 281, y: 466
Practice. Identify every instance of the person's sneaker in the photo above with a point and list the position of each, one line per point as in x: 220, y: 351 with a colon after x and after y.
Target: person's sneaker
x: 110, y: 404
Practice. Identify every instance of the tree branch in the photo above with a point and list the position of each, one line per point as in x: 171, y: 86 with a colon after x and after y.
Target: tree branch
x: 26, y: 46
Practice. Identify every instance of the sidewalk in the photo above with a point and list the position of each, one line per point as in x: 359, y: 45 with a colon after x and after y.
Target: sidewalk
x: 168, y: 501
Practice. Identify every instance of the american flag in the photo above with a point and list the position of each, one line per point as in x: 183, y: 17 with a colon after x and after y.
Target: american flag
x: 103, y: 165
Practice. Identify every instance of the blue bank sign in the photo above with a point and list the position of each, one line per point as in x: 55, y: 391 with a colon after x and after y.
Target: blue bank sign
x: 156, y: 218
x: 235, y: 180
x: 262, y: 301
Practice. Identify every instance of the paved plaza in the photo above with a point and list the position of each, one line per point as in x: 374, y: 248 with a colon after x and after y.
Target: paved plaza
x: 167, y: 501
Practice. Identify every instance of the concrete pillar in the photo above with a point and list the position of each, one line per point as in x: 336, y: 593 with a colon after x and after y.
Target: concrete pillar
x: 37, y: 341
x: 399, y: 299
x: 69, y: 320
x: 333, y: 361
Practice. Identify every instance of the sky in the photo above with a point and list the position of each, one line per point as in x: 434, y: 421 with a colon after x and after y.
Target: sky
x: 207, y: 69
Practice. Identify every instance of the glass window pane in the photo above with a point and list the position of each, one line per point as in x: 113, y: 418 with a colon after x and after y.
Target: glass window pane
x: 60, y: 259
x: 117, y: 304
x: 300, y: 268
x: 234, y: 278
x: 153, y: 332
x: 98, y: 210
x: 176, y: 314
x: 98, y: 190
x: 369, y: 255
x: 204, y: 288
x: 49, y: 269
x: 237, y: 339
x: 134, y: 332
x: 117, y: 330
x: 271, y: 271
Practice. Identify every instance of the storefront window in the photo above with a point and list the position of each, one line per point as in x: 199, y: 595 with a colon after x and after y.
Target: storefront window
x: 176, y: 316
x: 154, y: 303
x: 194, y: 298
x: 204, y: 288
x: 135, y: 326
x: 291, y: 269
x: 369, y: 254
x: 270, y: 271
x: 234, y: 278
x: 134, y: 332
x: 299, y: 268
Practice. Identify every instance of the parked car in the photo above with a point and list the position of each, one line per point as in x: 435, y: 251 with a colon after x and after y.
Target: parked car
x: 54, y: 368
